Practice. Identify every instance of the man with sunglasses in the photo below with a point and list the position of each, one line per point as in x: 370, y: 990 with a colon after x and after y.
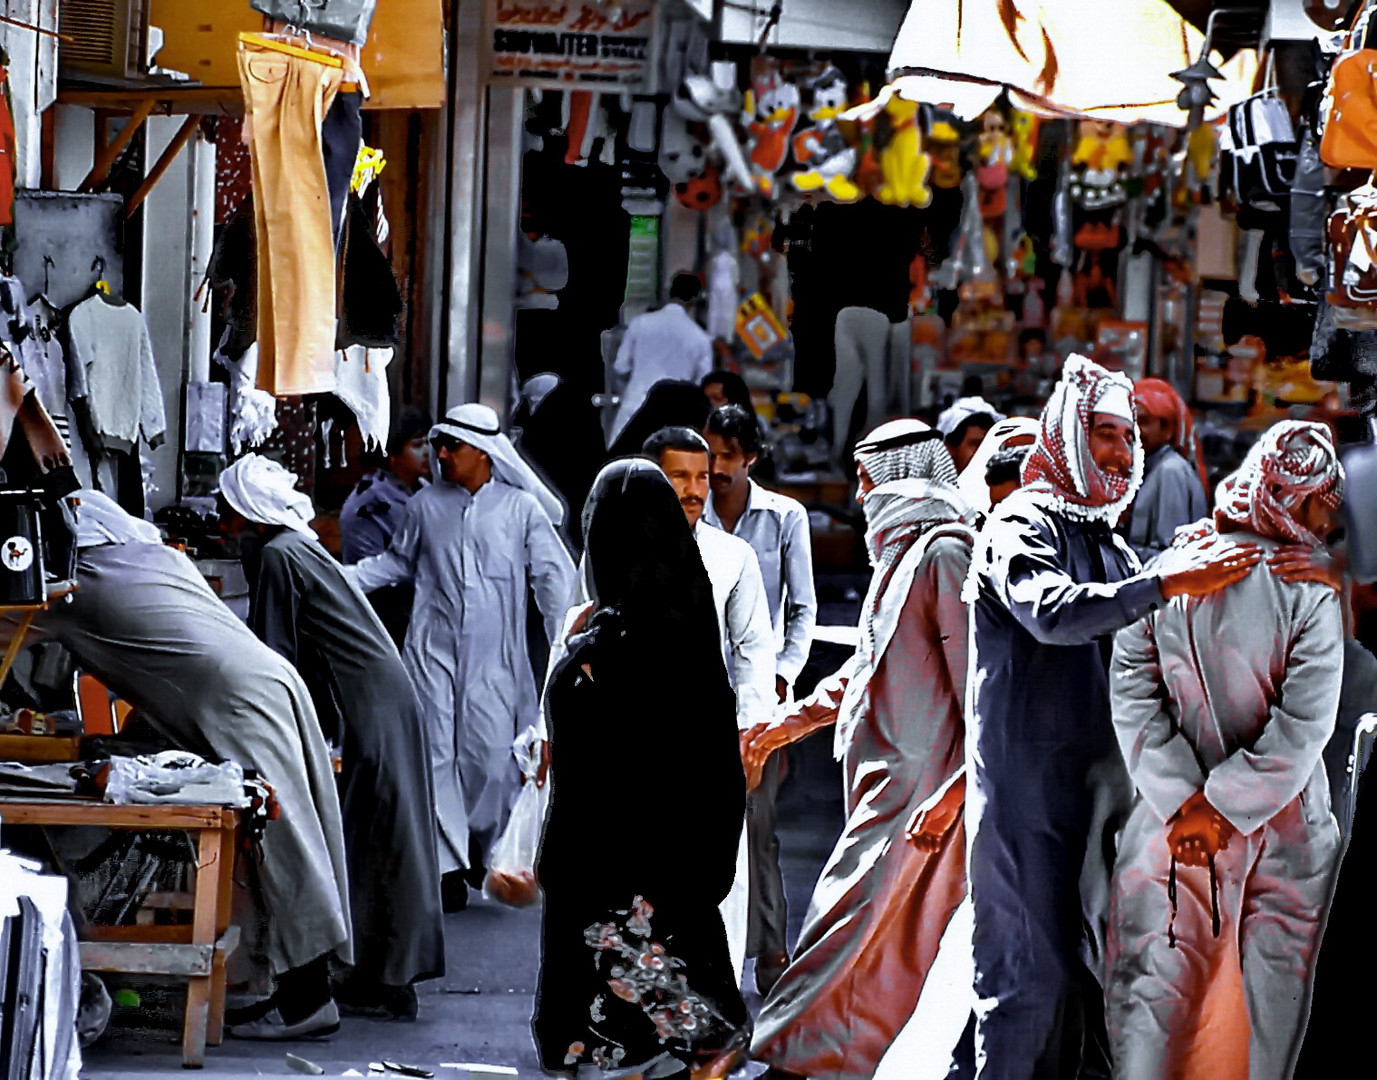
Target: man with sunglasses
x: 474, y: 543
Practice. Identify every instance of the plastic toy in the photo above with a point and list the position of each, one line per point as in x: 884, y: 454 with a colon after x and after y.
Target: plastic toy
x: 944, y: 150
x: 995, y: 152
x: 774, y: 109
x: 821, y: 151
x: 1026, y: 128
x: 903, y: 163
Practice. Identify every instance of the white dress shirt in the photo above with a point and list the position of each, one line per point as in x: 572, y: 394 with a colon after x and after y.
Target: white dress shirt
x: 743, y: 618
x: 776, y: 527
x: 659, y: 345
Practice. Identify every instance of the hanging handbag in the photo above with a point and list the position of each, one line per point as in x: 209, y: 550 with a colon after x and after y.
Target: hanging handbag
x: 343, y: 20
x: 1350, y: 103
x: 1352, y: 292
x: 1258, y: 160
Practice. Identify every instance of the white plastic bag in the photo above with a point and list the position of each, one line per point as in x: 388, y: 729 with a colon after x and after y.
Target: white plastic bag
x: 511, y: 865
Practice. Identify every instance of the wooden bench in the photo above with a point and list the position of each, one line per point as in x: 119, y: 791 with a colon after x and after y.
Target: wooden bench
x: 197, y: 952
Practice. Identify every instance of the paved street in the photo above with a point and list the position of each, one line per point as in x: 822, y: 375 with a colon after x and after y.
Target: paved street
x: 480, y: 1012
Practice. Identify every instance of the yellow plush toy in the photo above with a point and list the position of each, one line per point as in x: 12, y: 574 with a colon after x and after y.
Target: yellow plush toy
x: 903, y: 162
x: 1025, y: 127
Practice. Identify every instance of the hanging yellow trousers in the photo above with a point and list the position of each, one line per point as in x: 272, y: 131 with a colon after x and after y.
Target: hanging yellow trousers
x: 285, y: 99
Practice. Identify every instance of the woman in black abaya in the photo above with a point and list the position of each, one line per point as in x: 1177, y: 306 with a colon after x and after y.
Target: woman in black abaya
x: 647, y: 798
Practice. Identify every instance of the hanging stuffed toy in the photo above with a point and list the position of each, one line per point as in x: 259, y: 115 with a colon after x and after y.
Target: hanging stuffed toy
x: 681, y: 156
x: 944, y: 150
x: 902, y: 161
x: 825, y: 161
x: 773, y: 108
x: 710, y: 99
x: 1098, y: 166
x: 1026, y: 128
x: 701, y: 192
x: 994, y: 153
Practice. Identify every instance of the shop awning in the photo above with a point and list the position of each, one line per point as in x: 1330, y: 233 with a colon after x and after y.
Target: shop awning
x: 1108, y: 59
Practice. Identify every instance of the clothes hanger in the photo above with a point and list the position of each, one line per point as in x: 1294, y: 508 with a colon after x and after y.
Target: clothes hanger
x: 102, y: 287
x: 289, y: 42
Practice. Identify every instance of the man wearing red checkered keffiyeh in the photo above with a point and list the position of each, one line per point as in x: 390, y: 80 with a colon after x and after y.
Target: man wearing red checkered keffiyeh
x: 1223, y: 708
x: 1050, y: 584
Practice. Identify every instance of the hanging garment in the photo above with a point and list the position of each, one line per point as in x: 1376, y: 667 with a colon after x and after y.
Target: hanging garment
x: 361, y: 383
x: 147, y: 624
x: 111, y: 348
x: 286, y: 99
x: 370, y: 300
x: 605, y: 871
x: 58, y: 382
x: 304, y: 610
x: 472, y: 559
x: 9, y: 149
x: 341, y: 135
x: 659, y: 345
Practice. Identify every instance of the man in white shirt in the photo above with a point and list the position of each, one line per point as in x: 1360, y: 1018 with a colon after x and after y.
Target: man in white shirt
x: 776, y: 527
x: 660, y: 345
x: 743, y: 616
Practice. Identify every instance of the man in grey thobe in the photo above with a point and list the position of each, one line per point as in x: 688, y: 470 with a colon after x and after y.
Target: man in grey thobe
x: 472, y: 543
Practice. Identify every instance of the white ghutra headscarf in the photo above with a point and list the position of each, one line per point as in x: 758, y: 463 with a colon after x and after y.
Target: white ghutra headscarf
x: 265, y: 492
x: 478, y: 426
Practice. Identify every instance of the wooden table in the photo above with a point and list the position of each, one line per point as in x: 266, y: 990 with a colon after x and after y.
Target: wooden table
x: 197, y: 952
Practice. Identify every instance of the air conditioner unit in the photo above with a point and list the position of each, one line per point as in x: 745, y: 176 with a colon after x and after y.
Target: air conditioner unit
x: 108, y: 39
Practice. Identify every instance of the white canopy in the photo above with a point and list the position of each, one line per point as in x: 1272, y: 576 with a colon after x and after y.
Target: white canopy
x: 1107, y: 59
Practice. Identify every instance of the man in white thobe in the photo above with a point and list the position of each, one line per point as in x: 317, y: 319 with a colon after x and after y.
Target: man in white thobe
x: 743, y: 615
x: 660, y: 345
x: 472, y: 543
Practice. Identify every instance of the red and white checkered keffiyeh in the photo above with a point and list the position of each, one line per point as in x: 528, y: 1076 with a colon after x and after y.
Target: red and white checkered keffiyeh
x: 1293, y: 460
x: 1060, y: 471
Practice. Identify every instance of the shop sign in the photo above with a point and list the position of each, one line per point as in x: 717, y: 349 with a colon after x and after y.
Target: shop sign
x: 570, y: 44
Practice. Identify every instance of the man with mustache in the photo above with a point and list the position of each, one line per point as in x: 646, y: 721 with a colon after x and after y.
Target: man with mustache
x: 743, y: 619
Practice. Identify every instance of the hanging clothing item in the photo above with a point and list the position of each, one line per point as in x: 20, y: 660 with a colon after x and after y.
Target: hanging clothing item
x: 9, y: 149
x: 57, y: 381
x: 882, y: 905
x: 304, y: 610
x: 147, y: 624
x: 361, y: 383
x: 658, y: 345
x: 110, y: 346
x: 263, y: 491
x: 1233, y: 695
x: 654, y: 618
x: 370, y: 300
x: 19, y: 405
x: 286, y: 99
x: 472, y: 559
x: 341, y: 135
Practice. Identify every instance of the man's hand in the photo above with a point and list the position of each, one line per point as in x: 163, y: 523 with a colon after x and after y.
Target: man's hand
x: 1223, y: 570
x: 929, y: 824
x: 758, y: 743
x: 782, y: 688
x: 1197, y: 832
x: 1298, y: 562
x: 543, y: 771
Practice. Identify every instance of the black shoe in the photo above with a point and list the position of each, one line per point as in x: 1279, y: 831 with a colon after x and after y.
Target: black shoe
x: 476, y: 876
x: 377, y: 1002
x: 454, y: 892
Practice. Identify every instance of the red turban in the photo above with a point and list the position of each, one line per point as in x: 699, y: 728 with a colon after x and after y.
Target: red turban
x: 1157, y: 397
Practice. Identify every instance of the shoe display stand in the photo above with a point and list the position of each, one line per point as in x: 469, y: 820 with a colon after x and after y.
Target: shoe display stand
x: 197, y: 952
